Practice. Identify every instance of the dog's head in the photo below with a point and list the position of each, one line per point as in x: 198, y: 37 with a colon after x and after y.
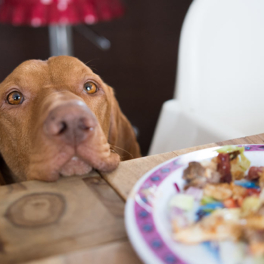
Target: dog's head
x: 58, y: 118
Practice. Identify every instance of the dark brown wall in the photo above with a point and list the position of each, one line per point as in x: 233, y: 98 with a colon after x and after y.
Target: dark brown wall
x: 140, y: 65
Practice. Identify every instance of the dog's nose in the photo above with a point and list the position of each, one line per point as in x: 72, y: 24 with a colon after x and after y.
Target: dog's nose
x: 71, y: 122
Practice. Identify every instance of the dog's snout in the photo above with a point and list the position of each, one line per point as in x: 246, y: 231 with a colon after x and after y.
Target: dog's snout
x: 66, y: 124
x: 71, y: 123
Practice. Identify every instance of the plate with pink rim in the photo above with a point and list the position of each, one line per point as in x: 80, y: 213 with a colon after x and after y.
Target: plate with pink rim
x: 149, y: 227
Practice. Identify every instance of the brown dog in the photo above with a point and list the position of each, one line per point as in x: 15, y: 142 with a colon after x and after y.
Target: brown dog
x: 58, y: 118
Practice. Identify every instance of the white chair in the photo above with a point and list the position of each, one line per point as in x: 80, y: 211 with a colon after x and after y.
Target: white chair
x: 220, y: 79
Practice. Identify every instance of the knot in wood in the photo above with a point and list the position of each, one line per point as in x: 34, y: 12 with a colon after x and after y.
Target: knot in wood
x: 36, y: 210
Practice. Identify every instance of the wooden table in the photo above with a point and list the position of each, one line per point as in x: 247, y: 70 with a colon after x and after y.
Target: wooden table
x: 77, y: 219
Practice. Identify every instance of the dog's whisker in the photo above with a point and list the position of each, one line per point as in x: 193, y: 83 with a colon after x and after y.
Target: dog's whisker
x: 112, y: 150
x: 118, y: 148
x: 91, y: 66
x: 86, y: 63
x: 121, y: 156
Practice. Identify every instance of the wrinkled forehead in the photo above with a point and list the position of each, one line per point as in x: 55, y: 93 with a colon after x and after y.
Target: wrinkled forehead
x: 67, y: 67
x: 53, y: 71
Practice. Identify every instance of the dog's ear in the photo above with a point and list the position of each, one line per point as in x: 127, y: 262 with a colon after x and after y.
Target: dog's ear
x: 121, y: 136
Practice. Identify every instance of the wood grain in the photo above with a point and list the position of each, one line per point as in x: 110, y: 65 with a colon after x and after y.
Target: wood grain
x: 118, y: 252
x: 107, y: 196
x: 39, y: 219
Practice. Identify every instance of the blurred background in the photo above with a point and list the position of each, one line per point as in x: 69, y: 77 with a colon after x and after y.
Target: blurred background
x: 140, y: 65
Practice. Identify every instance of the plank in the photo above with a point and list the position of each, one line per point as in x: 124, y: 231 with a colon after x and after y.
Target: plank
x: 254, y: 139
x: 39, y: 219
x: 111, y: 253
x: 128, y: 172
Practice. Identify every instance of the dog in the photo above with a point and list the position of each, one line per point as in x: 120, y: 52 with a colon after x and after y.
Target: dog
x: 58, y: 118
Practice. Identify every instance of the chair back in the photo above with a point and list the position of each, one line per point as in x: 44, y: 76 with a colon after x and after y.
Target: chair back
x: 221, y: 62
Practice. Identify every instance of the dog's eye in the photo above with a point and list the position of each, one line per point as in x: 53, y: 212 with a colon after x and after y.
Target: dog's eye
x: 15, y: 98
x: 90, y: 87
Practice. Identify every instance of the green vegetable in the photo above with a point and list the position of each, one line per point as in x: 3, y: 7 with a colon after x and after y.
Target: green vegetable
x: 207, y: 200
x: 183, y: 201
x: 244, y: 161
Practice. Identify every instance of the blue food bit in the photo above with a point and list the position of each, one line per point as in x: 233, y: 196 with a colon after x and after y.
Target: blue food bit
x: 213, y: 248
x: 147, y: 227
x: 165, y: 170
x: 200, y: 214
x: 156, y: 243
x: 170, y: 259
x: 247, y: 184
x: 155, y: 178
x: 143, y: 214
x: 211, y: 206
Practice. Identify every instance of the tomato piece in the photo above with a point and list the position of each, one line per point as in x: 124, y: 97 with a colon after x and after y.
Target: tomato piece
x: 224, y: 167
x: 230, y: 203
x: 253, y: 191
x: 255, y: 172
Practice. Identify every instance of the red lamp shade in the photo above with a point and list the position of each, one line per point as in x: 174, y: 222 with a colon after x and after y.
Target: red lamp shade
x: 45, y: 12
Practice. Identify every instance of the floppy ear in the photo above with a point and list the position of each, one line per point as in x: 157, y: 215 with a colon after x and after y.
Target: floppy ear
x: 121, y: 134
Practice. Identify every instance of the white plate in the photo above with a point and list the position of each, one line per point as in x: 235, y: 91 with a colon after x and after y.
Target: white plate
x: 146, y: 213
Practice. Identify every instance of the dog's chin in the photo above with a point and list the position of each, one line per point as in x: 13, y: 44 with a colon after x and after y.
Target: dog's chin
x: 75, y: 166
